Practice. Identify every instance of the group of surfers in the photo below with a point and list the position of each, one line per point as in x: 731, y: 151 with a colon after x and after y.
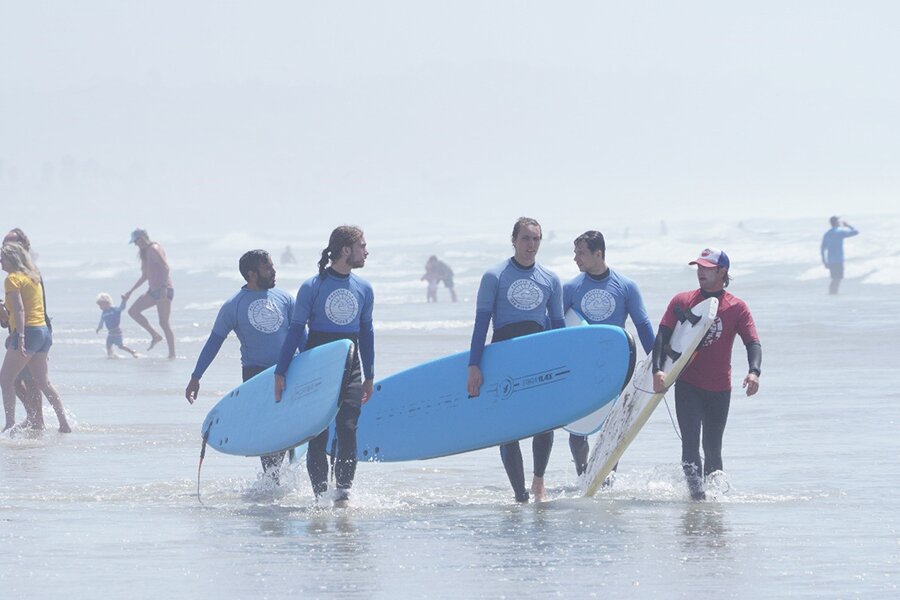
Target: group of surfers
x: 515, y: 298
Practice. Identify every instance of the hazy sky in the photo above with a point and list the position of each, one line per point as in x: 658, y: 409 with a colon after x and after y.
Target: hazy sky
x: 211, y: 115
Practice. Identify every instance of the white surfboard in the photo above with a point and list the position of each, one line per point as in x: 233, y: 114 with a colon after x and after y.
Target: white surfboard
x: 590, y: 424
x: 635, y: 405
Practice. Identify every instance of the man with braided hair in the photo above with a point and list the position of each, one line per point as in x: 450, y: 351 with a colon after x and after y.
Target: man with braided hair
x: 335, y: 304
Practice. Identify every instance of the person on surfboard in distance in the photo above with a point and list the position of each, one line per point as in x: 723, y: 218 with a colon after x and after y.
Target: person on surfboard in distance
x: 336, y: 304
x: 603, y: 297
x: 259, y: 314
x: 519, y: 296
x: 832, y: 251
x: 703, y: 391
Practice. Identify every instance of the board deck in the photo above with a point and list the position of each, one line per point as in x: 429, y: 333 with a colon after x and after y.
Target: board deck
x: 531, y: 384
x: 591, y: 423
x: 248, y: 422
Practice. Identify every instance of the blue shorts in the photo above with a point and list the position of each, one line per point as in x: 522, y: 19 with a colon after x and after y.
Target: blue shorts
x: 114, y: 339
x: 37, y: 339
x: 157, y: 294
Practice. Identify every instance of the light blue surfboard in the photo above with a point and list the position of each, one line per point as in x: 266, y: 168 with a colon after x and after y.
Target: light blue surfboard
x: 531, y: 384
x: 248, y: 421
x: 591, y: 423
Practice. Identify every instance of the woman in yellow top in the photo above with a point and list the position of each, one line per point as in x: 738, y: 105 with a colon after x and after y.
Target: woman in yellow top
x: 30, y: 338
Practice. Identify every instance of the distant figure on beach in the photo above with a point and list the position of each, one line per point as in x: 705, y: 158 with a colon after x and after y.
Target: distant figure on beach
x: 520, y: 297
x: 703, y: 392
x: 335, y: 304
x: 30, y: 338
x: 110, y: 317
x: 155, y: 271
x: 435, y: 272
x: 832, y: 250
x: 603, y: 297
x: 259, y: 314
x: 287, y: 257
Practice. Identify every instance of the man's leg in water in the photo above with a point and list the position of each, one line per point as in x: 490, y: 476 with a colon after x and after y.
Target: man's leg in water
x: 689, y: 411
x: 317, y: 463
x: 715, y: 415
x: 345, y: 461
x: 511, y: 455
x: 578, y: 444
x: 541, y: 445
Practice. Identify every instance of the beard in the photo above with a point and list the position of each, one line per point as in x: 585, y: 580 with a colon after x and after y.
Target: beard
x: 266, y: 284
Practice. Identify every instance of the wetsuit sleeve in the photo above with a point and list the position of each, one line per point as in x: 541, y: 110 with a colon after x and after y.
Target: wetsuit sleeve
x: 754, y: 358
x: 367, y: 337
x: 659, y: 347
x: 100, y: 324
x: 295, y: 338
x: 823, y: 248
x: 479, y: 335
x: 568, y: 293
x: 225, y: 322
x: 638, y: 313
x: 296, y: 335
x: 850, y: 232
x: 487, y: 296
x: 210, y: 349
x: 555, y: 305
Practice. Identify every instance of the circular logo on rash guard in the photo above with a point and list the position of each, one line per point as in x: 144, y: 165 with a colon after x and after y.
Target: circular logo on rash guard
x: 525, y: 294
x: 598, y: 305
x: 713, y: 335
x: 264, y: 315
x: 341, y: 307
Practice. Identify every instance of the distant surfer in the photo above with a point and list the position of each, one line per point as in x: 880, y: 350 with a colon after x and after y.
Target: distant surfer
x: 259, y: 314
x: 519, y: 296
x: 603, y: 297
x: 703, y: 391
x: 437, y: 271
x: 155, y: 271
x: 336, y: 304
x: 832, y: 250
x: 287, y: 257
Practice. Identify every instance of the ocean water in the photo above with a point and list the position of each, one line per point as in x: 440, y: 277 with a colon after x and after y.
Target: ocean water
x: 808, y: 510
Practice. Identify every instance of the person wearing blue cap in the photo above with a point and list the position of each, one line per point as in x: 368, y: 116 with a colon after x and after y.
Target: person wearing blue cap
x: 703, y: 391
x: 832, y: 250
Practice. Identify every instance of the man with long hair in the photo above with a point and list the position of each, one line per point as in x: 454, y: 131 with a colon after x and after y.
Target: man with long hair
x: 335, y: 304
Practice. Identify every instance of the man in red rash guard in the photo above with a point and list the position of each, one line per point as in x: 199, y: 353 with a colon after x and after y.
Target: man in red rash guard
x: 703, y: 392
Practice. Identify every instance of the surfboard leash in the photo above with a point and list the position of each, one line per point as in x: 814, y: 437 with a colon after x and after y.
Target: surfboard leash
x: 202, y: 456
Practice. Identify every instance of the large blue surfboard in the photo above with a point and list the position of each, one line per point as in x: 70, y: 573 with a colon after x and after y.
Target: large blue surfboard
x: 248, y: 421
x: 531, y: 384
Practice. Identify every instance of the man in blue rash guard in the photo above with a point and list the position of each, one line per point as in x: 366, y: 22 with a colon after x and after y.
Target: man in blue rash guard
x: 832, y: 251
x: 259, y: 314
x: 519, y: 296
x: 603, y: 297
x: 336, y: 304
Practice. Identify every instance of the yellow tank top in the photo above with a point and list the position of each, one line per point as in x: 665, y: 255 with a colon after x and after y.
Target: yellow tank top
x: 32, y: 299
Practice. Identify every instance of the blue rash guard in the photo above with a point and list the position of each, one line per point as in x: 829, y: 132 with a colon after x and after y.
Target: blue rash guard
x: 510, y: 293
x: 338, y: 306
x: 112, y: 317
x: 607, y: 300
x: 832, y: 249
x: 259, y: 318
